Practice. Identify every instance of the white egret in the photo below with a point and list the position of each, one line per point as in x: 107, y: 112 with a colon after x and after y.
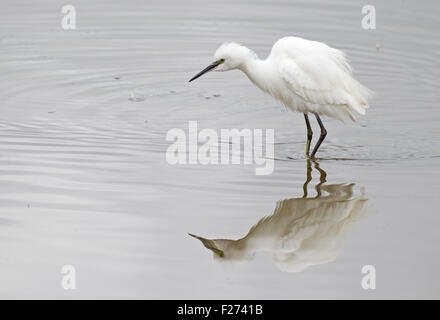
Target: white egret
x: 301, y: 232
x: 306, y: 76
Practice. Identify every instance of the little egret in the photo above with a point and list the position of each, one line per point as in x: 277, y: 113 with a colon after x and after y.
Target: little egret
x: 306, y: 76
x: 301, y: 232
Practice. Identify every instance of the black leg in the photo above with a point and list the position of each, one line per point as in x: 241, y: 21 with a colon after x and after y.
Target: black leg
x: 321, y: 137
x: 309, y: 134
x: 308, y: 179
x: 322, y: 179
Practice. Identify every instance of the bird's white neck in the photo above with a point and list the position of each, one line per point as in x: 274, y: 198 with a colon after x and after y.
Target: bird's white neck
x: 259, y: 72
x: 259, y: 238
x: 246, y: 247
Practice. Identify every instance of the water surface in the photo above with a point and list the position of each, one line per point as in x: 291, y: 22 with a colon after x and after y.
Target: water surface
x: 84, y: 180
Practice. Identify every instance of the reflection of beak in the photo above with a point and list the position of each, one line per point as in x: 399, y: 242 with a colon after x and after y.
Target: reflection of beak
x: 207, y: 69
x: 210, y: 244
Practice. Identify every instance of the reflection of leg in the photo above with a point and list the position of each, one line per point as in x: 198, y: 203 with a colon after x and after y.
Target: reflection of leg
x: 321, y: 137
x: 309, y: 177
x: 322, y: 178
x: 309, y: 134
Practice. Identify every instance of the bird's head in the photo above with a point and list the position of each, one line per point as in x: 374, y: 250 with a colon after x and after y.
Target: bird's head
x: 226, y: 249
x: 228, y: 56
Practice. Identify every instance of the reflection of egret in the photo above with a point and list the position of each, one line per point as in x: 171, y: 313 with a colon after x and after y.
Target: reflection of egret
x: 306, y: 76
x: 301, y: 232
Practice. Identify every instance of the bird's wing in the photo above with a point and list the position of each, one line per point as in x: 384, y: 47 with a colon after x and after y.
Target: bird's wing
x: 316, y: 238
x: 321, y: 79
x: 315, y: 78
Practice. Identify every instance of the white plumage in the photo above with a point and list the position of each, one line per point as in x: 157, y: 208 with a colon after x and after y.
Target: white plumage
x: 300, y: 233
x: 306, y: 76
x: 319, y: 78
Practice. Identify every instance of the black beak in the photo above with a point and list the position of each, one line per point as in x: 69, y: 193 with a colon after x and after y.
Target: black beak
x: 210, y: 244
x: 207, y: 69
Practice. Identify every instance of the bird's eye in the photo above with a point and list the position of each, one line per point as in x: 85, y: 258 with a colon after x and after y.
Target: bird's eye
x: 221, y: 60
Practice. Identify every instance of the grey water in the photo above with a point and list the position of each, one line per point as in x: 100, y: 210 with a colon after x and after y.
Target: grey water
x: 84, y: 179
